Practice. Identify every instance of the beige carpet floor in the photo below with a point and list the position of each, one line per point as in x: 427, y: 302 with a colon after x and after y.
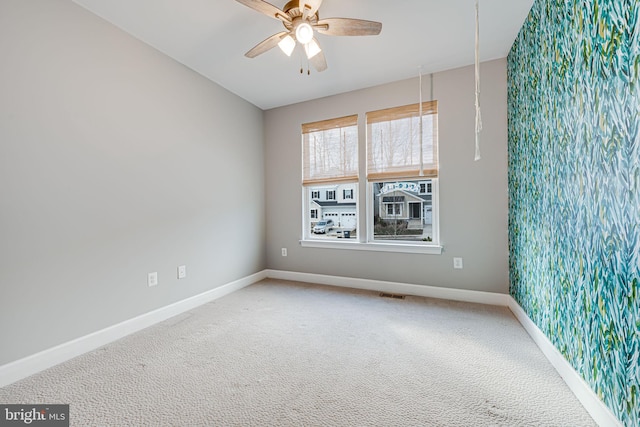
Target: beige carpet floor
x: 291, y: 354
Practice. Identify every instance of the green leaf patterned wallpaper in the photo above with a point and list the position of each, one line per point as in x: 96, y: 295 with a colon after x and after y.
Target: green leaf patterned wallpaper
x: 574, y: 188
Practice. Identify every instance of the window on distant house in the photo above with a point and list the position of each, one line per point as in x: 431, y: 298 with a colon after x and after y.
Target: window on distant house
x: 330, y: 167
x: 393, y: 209
x: 402, y: 167
x: 347, y: 194
x: 314, y: 213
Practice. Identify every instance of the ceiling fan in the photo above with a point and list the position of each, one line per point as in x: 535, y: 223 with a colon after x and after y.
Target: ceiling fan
x: 300, y: 19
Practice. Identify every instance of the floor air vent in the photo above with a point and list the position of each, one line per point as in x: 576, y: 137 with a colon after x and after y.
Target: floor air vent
x: 387, y: 295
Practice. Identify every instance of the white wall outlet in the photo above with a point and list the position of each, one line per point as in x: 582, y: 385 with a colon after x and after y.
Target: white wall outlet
x: 457, y: 263
x: 182, y: 271
x: 152, y: 279
x: 284, y: 251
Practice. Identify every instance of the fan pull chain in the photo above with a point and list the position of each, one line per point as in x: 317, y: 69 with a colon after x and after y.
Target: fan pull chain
x: 302, y: 66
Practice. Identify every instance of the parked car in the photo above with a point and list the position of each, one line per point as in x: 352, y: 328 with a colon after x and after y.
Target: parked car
x: 323, y: 226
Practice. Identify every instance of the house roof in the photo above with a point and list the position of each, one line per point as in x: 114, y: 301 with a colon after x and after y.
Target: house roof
x: 398, y: 199
x: 332, y: 203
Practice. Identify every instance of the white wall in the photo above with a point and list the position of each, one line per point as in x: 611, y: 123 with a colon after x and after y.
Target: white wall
x: 115, y: 161
x: 473, y: 195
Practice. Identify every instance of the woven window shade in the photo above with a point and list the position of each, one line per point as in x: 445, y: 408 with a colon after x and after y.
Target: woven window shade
x: 330, y: 151
x: 394, y: 148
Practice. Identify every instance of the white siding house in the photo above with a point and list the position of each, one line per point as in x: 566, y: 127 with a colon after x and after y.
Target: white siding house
x: 336, y: 202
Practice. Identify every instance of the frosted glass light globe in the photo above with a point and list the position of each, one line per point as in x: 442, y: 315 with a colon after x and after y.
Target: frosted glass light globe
x: 304, y: 33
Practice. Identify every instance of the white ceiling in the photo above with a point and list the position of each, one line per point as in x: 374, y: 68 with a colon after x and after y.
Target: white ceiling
x: 211, y: 37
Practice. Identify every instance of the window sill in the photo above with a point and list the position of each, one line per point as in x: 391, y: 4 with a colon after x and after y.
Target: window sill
x: 374, y: 246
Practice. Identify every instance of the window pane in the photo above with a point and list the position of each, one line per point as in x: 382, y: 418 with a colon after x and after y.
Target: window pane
x: 333, y: 217
x: 401, y: 143
x: 401, y: 211
x: 330, y: 151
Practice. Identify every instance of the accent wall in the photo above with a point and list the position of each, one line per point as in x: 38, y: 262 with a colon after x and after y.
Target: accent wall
x: 574, y: 183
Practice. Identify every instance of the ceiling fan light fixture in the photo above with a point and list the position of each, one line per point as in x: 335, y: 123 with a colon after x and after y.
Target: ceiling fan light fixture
x: 304, y: 33
x: 287, y: 45
x: 312, y: 49
x: 301, y: 21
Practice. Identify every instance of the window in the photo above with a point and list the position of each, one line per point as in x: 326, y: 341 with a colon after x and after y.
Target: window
x: 425, y: 187
x: 314, y: 213
x: 401, y: 180
x: 402, y: 164
x: 330, y: 168
x: 402, y: 212
x: 394, y: 209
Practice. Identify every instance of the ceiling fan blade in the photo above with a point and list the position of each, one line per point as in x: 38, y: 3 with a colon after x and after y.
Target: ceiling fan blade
x: 348, y: 27
x: 309, y: 7
x: 319, y: 62
x: 265, y: 45
x: 266, y: 9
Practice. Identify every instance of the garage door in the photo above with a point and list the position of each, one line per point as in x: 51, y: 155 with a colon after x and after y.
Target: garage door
x: 348, y: 220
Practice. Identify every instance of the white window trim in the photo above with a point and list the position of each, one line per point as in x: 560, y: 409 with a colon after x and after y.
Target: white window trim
x: 365, y: 240
x: 413, y: 248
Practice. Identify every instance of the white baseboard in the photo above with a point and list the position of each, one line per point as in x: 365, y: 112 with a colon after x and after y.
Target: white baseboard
x: 394, y: 287
x: 22, y: 368
x: 600, y: 413
x: 35, y: 363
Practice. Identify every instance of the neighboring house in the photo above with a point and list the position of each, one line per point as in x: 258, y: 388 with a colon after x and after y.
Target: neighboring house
x: 336, y: 202
x: 404, y: 201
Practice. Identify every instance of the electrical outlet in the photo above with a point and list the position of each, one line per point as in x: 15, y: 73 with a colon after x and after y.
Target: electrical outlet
x: 182, y: 271
x: 284, y: 251
x: 457, y: 263
x: 152, y: 279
